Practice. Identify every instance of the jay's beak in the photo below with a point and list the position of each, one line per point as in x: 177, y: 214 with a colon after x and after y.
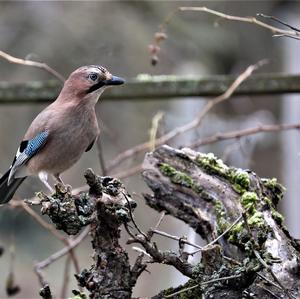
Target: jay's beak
x: 114, y: 81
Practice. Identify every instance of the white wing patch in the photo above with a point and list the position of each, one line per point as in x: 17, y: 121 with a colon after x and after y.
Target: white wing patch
x: 26, y: 151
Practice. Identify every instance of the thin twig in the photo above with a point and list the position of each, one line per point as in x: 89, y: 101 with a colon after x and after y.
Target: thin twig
x: 203, y: 284
x: 48, y: 227
x: 278, y: 21
x: 128, y: 172
x: 190, y: 125
x: 154, y: 128
x: 176, y: 238
x: 286, y: 35
x: 251, y: 20
x: 161, y: 217
x: 57, y: 255
x: 38, y: 219
x: 242, y: 133
x: 41, y: 65
x: 140, y: 250
x: 132, y: 217
x: 269, y: 291
x: 161, y: 35
x: 41, y: 276
x: 100, y: 157
x: 268, y: 281
x: 226, y: 231
x: 231, y: 260
x: 164, y: 234
x: 66, y: 279
x: 183, y: 291
x: 220, y: 279
x: 222, y: 235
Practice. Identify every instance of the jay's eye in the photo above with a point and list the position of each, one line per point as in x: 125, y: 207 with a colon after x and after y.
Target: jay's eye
x: 93, y: 76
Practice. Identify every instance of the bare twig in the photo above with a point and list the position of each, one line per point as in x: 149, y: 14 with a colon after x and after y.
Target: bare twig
x: 73, y: 244
x: 251, y: 20
x: 38, y: 219
x: 165, y: 257
x: 66, y: 278
x: 128, y: 172
x: 162, y: 216
x: 154, y: 128
x: 151, y: 248
x: 139, y: 266
x: 220, y: 279
x: 100, y: 157
x: 140, y: 250
x: 203, y: 284
x: 164, y: 234
x: 132, y: 217
x: 190, y: 125
x: 242, y: 133
x: 41, y: 276
x: 176, y: 238
x: 41, y: 65
x: 226, y: 231
x: 268, y: 281
x: 223, y: 234
x: 182, y: 291
x: 160, y: 36
x: 208, y: 140
x: 48, y: 227
x: 278, y: 21
x: 268, y: 291
x: 286, y: 35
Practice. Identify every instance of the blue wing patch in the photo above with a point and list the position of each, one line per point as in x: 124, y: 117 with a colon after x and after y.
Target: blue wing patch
x: 34, y: 145
x: 27, y: 149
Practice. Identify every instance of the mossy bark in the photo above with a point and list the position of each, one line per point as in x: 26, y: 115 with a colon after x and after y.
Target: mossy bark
x: 209, y: 196
x: 105, y: 207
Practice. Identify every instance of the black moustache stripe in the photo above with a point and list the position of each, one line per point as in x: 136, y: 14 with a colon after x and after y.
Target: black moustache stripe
x: 95, y: 87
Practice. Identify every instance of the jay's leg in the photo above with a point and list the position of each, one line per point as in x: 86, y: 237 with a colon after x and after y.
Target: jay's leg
x: 43, y: 176
x: 58, y: 178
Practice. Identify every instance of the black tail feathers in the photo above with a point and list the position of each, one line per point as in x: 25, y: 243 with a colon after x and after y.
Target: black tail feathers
x: 8, y: 191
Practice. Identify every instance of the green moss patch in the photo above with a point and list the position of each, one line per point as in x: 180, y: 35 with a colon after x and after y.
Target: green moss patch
x: 249, y: 199
x: 212, y: 164
x: 180, y: 178
x: 276, y: 189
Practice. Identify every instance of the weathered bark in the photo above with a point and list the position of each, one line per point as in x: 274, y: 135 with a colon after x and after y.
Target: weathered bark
x: 256, y: 258
x: 106, y: 208
x: 206, y: 194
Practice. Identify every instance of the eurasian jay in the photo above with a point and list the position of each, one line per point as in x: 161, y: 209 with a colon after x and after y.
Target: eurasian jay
x: 61, y: 133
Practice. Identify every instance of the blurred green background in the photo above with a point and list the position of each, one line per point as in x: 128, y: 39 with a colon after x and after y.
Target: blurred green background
x: 116, y: 34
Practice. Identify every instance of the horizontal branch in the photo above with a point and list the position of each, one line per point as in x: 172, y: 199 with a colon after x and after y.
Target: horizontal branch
x: 157, y: 87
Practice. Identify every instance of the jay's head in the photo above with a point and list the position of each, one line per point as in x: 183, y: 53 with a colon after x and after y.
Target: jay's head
x: 88, y: 82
